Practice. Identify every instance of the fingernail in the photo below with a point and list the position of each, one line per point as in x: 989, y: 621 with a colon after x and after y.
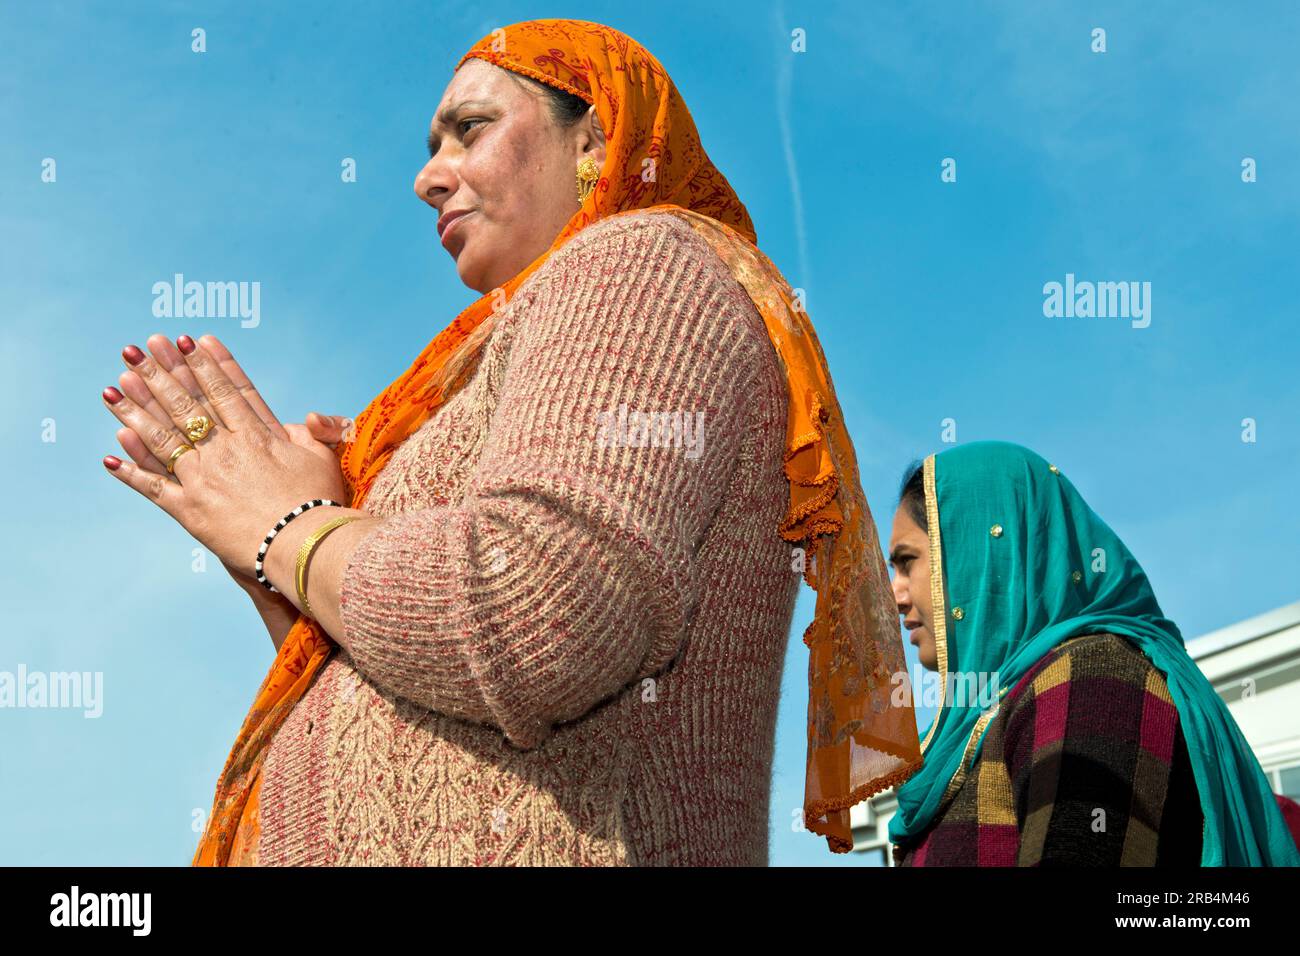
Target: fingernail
x: 112, y: 395
x: 185, y: 344
x: 133, y: 355
x: 112, y: 463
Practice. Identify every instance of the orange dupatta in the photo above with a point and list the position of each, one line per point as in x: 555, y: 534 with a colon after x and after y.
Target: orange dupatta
x: 858, y: 742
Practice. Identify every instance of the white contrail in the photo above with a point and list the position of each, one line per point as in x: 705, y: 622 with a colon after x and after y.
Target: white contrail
x: 784, y: 78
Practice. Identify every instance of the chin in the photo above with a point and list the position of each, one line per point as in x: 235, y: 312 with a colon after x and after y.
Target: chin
x: 473, y: 279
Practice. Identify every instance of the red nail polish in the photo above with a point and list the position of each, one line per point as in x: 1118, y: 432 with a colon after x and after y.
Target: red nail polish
x: 112, y: 463
x: 133, y: 355
x: 185, y: 344
x: 112, y: 395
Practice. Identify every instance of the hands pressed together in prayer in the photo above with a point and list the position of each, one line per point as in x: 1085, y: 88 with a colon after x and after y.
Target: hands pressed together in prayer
x: 242, y: 477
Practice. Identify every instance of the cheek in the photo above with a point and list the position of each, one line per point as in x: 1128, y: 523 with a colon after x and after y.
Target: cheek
x: 504, y: 173
x: 488, y: 184
x: 921, y: 595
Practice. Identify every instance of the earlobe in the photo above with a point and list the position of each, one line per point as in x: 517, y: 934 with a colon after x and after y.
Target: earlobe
x: 591, y: 157
x: 595, y: 151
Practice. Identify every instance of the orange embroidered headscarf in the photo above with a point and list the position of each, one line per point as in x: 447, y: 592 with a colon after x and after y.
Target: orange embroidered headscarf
x: 859, y: 741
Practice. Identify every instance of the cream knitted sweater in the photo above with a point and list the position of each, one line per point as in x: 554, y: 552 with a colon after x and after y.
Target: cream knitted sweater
x: 564, y: 643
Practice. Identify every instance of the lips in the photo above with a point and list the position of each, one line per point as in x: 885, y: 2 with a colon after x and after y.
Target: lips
x: 447, y: 218
x: 452, y: 227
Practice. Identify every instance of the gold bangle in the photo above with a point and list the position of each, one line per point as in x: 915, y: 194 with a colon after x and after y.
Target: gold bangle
x: 305, y: 552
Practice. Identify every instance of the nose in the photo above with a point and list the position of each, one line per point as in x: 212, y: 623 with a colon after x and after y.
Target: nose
x: 435, y: 182
x: 901, y: 596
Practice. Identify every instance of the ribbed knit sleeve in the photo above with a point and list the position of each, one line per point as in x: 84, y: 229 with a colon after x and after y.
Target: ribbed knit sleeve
x: 568, y: 569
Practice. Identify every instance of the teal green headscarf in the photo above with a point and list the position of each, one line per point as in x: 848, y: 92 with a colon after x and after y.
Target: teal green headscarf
x: 1054, y: 571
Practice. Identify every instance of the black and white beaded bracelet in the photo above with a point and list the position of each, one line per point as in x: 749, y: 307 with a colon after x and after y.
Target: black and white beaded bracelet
x: 261, y: 552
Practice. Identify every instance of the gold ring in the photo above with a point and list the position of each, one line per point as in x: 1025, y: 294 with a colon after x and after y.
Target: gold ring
x: 180, y: 450
x: 197, y: 427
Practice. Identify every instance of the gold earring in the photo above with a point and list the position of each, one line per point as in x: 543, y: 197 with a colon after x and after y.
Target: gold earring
x: 588, y: 175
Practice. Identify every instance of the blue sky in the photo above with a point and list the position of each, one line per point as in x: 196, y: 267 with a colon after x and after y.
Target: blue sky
x: 927, y: 296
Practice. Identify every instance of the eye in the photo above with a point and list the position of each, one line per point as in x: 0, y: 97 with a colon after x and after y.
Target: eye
x: 461, y: 125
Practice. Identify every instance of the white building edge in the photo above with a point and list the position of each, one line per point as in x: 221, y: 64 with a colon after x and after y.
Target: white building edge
x: 1254, y: 666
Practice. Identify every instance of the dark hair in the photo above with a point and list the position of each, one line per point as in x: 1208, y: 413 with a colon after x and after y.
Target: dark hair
x: 912, y: 493
x: 566, y: 108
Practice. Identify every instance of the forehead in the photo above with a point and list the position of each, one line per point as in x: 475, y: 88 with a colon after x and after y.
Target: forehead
x: 906, y: 530
x: 480, y: 81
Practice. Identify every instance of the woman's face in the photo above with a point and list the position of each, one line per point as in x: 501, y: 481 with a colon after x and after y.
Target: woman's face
x: 909, y: 556
x: 497, y: 156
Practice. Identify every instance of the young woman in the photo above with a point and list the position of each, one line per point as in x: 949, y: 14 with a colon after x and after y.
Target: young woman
x: 1106, y: 745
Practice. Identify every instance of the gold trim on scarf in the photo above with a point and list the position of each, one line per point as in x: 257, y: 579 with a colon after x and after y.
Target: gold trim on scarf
x: 938, y: 612
x: 963, y: 766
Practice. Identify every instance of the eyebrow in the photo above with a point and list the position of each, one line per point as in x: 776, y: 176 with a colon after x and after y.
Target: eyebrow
x: 898, y: 553
x: 444, y: 119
